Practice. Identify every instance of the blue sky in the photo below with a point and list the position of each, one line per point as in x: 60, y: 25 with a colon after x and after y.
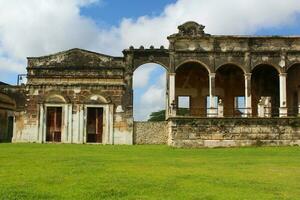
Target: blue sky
x: 41, y: 27
x: 111, y: 12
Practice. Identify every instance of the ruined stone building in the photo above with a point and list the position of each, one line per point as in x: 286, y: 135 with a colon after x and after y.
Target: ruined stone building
x: 238, y: 91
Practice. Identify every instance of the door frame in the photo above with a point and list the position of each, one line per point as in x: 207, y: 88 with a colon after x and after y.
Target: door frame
x: 66, y: 122
x: 107, y: 135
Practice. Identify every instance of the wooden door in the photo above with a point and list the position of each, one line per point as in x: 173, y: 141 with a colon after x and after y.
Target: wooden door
x: 94, y: 125
x: 10, y: 129
x: 54, y: 123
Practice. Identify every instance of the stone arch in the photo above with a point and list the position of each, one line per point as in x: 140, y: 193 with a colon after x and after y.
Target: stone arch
x: 278, y: 68
x: 55, y: 98
x: 194, y: 61
x: 293, y: 89
x: 155, y: 82
x: 233, y: 64
x: 192, y: 83
x: 139, y: 64
x: 230, y: 88
x: 292, y: 65
x: 265, y: 87
x: 96, y: 99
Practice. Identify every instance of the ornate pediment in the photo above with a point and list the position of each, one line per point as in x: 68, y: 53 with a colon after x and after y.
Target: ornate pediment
x: 191, y: 29
x: 72, y: 58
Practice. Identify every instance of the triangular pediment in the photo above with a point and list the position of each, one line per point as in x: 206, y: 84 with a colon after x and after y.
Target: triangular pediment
x: 72, y: 58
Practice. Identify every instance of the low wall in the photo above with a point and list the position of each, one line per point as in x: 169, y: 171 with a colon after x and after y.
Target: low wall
x: 231, y: 132
x: 150, y: 133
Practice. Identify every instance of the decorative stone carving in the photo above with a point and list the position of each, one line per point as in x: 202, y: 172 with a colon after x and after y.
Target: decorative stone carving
x: 192, y: 29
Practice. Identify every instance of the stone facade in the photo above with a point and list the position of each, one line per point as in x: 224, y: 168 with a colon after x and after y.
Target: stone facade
x: 150, y: 133
x: 199, y: 132
x: 9, y: 95
x: 79, y: 96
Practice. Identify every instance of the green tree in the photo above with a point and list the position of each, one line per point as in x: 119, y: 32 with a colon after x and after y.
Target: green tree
x: 157, y: 116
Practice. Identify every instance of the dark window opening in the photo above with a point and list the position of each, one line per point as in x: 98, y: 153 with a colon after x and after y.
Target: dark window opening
x: 94, y: 125
x: 10, y: 129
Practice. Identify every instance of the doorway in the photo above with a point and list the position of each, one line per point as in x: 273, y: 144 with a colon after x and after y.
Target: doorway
x: 10, y: 128
x: 94, y: 125
x: 54, y: 124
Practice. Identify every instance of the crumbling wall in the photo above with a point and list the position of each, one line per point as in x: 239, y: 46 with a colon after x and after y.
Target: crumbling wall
x: 74, y: 80
x: 150, y: 133
x: 232, y: 132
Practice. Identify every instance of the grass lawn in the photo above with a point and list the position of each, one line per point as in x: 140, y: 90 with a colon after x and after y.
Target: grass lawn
x: 34, y: 171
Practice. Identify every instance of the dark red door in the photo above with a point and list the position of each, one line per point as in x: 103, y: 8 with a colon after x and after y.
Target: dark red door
x: 94, y: 125
x: 54, y: 123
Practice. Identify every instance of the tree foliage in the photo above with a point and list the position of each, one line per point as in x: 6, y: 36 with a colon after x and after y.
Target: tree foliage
x: 157, y: 116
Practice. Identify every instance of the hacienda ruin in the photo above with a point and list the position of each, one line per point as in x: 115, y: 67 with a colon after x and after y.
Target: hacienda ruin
x: 240, y: 91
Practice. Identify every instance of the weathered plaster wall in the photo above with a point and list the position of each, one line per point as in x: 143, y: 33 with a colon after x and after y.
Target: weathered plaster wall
x: 231, y: 132
x: 76, y: 75
x: 150, y: 133
x: 74, y: 80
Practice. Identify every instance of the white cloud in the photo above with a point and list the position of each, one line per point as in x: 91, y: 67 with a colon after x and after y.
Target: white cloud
x: 152, y: 100
x: 142, y: 75
x: 38, y: 27
x: 220, y: 17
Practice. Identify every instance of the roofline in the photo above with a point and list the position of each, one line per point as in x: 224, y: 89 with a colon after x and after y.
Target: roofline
x: 60, y: 52
x: 239, y: 36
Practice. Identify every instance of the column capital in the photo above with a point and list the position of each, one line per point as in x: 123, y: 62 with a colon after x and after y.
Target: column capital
x: 283, y: 74
x: 248, y: 76
x: 172, y: 74
x: 212, y: 75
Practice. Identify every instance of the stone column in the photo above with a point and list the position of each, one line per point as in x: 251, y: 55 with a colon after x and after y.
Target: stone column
x: 282, y: 88
x: 40, y: 138
x: 172, y: 110
x: 298, y: 102
x: 65, y: 132
x: 220, y: 109
x: 212, y: 110
x: 261, y: 109
x: 248, y: 103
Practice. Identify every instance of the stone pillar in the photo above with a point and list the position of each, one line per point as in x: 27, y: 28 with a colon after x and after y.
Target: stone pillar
x: 298, y: 102
x: 282, y: 89
x: 261, y: 109
x: 41, y: 125
x: 212, y: 110
x: 65, y: 124
x: 248, y: 103
x: 172, y: 110
x: 220, y: 108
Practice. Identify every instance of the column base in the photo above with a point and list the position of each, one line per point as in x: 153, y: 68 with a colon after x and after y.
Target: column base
x: 248, y: 112
x: 283, y: 112
x: 212, y: 112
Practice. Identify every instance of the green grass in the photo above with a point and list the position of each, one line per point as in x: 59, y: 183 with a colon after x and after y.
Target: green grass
x: 33, y: 171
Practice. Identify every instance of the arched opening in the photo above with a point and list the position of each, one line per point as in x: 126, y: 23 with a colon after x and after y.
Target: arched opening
x: 7, y: 107
x: 230, y: 88
x: 293, y: 90
x: 149, y: 92
x: 191, y: 89
x: 55, y: 98
x: 265, y: 89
